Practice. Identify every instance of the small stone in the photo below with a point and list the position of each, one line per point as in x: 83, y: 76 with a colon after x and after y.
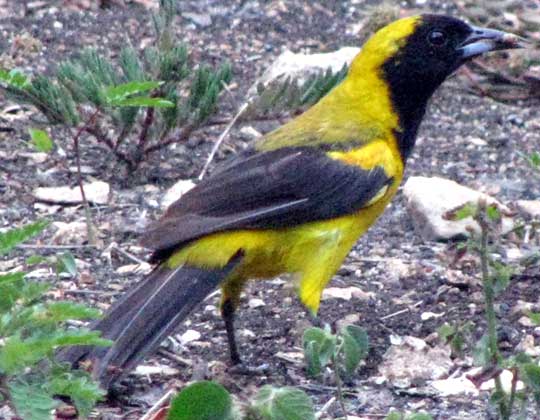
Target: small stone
x: 529, y: 207
x: 255, y: 303
x: 202, y: 20
x: 189, y: 336
x: 526, y: 321
x: 429, y: 199
x: 249, y: 133
x: 162, y: 370
x: 96, y: 192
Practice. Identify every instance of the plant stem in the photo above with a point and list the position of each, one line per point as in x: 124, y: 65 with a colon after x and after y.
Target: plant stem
x: 339, y: 385
x: 87, y: 214
x: 489, y: 297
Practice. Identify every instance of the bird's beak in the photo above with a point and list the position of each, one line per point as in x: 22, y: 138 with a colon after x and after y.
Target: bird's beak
x: 482, y: 40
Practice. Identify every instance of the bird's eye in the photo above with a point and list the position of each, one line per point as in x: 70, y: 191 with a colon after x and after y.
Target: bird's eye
x: 437, y: 38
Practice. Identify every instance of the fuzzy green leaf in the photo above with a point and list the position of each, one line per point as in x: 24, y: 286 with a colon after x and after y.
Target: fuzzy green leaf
x: 493, y: 213
x: 355, y: 347
x: 285, y: 403
x: 41, y: 140
x: 326, y: 343
x: 16, y: 236
x: 202, y: 400
x: 313, y: 359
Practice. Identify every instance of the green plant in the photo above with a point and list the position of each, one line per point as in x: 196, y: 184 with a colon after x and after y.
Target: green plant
x: 206, y: 400
x: 31, y: 330
x: 342, y: 351
x: 394, y: 415
x: 496, y: 277
x: 150, y: 101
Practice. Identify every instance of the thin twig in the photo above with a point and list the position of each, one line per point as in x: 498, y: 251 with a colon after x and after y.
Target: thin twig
x: 127, y: 255
x: 402, y: 311
x: 159, y: 405
x: 55, y: 247
x: 325, y: 408
x: 184, y: 134
x: 87, y: 214
x: 221, y: 138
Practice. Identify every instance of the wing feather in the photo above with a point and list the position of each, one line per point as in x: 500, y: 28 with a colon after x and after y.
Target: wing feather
x: 275, y: 189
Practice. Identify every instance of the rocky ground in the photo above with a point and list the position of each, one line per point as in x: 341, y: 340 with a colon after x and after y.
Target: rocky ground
x: 395, y: 284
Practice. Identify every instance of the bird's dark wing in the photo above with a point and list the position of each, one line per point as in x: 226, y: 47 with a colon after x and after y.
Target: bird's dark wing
x: 269, y: 190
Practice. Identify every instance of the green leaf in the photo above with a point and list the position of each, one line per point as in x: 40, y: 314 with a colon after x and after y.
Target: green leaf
x: 326, y: 343
x: 202, y: 400
x: 80, y: 337
x: 394, y: 415
x: 17, y: 354
x: 535, y: 317
x: 481, y: 352
x: 534, y: 159
x: 313, y: 359
x: 40, y: 140
x: 120, y: 92
x: 14, y: 78
x: 66, y: 264
x: 35, y: 260
x: 143, y: 101
x: 446, y: 331
x: 78, y: 386
x: 493, y: 213
x: 36, y: 407
x: 419, y: 416
x: 65, y: 310
x: 14, y: 237
x: 11, y: 285
x: 502, y: 274
x: 462, y: 212
x: 531, y: 375
x: 285, y: 403
x: 355, y: 347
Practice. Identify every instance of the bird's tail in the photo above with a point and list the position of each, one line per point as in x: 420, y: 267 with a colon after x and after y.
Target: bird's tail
x: 144, y: 317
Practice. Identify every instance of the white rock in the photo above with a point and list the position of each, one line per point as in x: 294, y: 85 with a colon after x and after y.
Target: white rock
x: 530, y: 207
x: 189, y: 336
x: 96, y: 192
x: 249, y: 133
x: 345, y: 293
x: 428, y: 199
x: 176, y: 191
x: 255, y: 303
x: 300, y: 66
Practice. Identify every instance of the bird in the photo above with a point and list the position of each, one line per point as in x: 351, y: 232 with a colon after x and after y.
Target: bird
x: 297, y: 200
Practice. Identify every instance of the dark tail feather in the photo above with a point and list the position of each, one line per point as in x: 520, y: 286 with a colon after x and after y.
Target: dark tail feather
x: 145, y: 316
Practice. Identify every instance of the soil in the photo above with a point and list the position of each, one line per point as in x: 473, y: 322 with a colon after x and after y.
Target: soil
x: 250, y: 34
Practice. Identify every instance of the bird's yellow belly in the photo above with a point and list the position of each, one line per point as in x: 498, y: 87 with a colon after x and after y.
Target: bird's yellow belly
x: 314, y: 251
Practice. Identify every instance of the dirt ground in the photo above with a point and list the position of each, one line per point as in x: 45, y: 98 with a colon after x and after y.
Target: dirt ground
x: 250, y: 34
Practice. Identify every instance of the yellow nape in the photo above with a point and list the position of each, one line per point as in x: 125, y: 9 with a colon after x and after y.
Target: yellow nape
x: 357, y: 111
x: 383, y: 45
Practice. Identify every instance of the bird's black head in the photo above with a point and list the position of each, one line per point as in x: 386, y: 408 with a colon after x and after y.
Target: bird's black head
x: 418, y: 53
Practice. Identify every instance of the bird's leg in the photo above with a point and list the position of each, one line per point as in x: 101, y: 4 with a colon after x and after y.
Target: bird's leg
x: 227, y: 313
